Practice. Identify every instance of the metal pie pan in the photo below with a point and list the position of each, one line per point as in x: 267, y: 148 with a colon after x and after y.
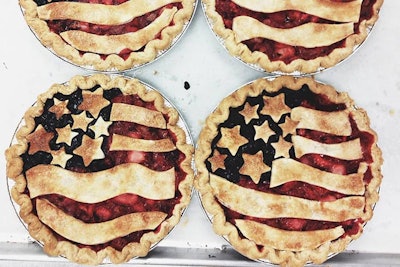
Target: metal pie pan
x: 209, y: 216
x: 116, y: 71
x: 257, y: 67
x: 181, y: 123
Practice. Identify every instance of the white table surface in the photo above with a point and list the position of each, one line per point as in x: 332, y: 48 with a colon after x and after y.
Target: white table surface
x: 371, y: 76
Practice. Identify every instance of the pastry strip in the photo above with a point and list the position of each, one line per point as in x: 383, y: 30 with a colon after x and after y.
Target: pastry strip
x: 332, y: 10
x: 127, y: 178
x: 114, y: 44
x: 280, y: 239
x: 286, y: 170
x: 120, y: 142
x: 100, y: 13
x: 95, y: 233
x: 266, y: 205
x: 336, y: 122
x: 136, y: 114
x: 308, y: 35
x: 350, y: 150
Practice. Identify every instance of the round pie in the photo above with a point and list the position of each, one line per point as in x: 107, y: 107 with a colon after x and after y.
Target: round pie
x: 108, y: 35
x: 102, y: 168
x: 296, y: 36
x: 288, y: 170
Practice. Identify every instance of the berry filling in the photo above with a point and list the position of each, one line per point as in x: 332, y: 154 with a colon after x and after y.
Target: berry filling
x: 121, y: 204
x: 285, y: 19
x: 305, y: 98
x: 58, y: 26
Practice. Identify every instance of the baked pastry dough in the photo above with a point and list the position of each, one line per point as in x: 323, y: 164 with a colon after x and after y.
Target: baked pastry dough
x: 307, y: 35
x: 68, y: 227
x: 104, y: 177
x: 108, y: 36
x: 301, y: 181
x: 291, y: 36
x: 331, y: 10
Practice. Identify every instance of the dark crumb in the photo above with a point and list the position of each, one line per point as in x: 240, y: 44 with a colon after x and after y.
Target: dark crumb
x: 186, y: 85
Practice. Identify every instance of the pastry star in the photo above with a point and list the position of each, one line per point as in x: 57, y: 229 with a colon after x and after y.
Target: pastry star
x: 254, y: 166
x: 59, y: 108
x: 249, y: 112
x: 90, y: 149
x: 231, y: 139
x: 282, y: 148
x: 263, y: 131
x: 65, y: 135
x: 81, y: 121
x: 93, y: 102
x: 100, y: 127
x: 217, y: 161
x: 289, y: 126
x: 275, y: 107
x: 60, y: 157
x: 39, y: 140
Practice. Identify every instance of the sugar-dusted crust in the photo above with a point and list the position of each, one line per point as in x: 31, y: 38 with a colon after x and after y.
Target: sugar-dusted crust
x: 262, y: 61
x: 206, y: 182
x: 111, y: 62
x: 39, y: 230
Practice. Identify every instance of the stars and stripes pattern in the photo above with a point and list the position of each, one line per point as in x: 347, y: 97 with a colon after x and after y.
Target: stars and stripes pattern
x: 346, y: 201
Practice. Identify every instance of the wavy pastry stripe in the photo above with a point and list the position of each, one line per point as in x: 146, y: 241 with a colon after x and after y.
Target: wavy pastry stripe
x: 68, y: 227
x: 332, y: 10
x: 120, y: 142
x: 114, y: 44
x: 136, y: 114
x: 336, y: 122
x: 308, y: 35
x: 350, y: 150
x: 267, y: 205
x: 286, y: 170
x: 127, y: 178
x: 263, y: 234
x: 100, y: 13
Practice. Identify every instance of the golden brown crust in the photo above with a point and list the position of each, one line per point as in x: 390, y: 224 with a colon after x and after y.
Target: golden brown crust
x: 209, y: 193
x: 112, y: 62
x: 41, y: 232
x: 261, y: 60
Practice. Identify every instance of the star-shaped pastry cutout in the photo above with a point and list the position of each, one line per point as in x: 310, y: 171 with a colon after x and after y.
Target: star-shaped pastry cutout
x: 231, y: 139
x: 93, y: 102
x: 289, y: 126
x: 282, y: 148
x: 81, y: 121
x: 217, y: 161
x: 275, y: 107
x: 65, y: 135
x: 59, y: 108
x: 90, y: 149
x: 39, y: 140
x: 100, y: 127
x: 254, y: 166
x: 263, y: 131
x: 249, y: 112
x: 60, y: 157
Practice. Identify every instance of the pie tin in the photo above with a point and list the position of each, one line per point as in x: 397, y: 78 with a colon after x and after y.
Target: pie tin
x: 160, y: 53
x: 257, y: 67
x: 181, y: 123
x: 209, y: 216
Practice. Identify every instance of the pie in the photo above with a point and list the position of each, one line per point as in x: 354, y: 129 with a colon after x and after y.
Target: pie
x: 296, y: 36
x: 108, y: 35
x: 102, y: 169
x: 288, y: 170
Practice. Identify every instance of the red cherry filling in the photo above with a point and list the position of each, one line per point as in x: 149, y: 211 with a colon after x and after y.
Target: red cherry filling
x: 58, y: 26
x: 285, y: 19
